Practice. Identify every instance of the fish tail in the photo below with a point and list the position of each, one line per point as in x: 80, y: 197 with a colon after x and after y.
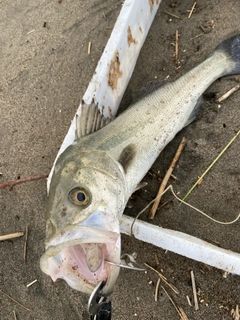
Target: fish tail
x: 231, y: 47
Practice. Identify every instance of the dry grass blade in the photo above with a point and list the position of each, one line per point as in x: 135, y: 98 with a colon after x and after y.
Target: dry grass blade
x: 14, y: 314
x: 31, y: 283
x: 203, y: 213
x: 89, y: 47
x: 11, y: 236
x: 179, y: 310
x: 188, y: 300
x: 157, y: 290
x: 196, y: 307
x: 183, y: 314
x: 227, y: 94
x: 211, y: 165
x: 7, y: 295
x: 172, y: 15
x: 236, y: 313
x: 164, y: 279
x: 166, y: 178
x: 25, y: 245
x: 176, y: 48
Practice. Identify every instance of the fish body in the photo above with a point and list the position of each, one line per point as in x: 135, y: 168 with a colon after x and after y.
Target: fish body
x: 94, y: 177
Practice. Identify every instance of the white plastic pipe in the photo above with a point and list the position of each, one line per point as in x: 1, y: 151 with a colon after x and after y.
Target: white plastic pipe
x: 116, y: 64
x: 182, y: 244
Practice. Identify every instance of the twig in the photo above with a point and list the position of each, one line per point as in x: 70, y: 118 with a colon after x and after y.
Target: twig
x: 12, y: 183
x: 227, y: 94
x: 196, y: 307
x: 166, y: 178
x: 172, y: 15
x: 25, y: 245
x: 211, y: 165
x: 15, y: 301
x: 157, y: 289
x: 176, y: 48
x: 11, y: 236
x: 164, y: 279
x: 193, y: 7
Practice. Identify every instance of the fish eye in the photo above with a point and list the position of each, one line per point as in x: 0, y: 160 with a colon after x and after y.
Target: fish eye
x: 79, y: 196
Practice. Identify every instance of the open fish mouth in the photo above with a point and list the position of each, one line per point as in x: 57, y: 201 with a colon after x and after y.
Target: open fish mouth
x: 78, y: 255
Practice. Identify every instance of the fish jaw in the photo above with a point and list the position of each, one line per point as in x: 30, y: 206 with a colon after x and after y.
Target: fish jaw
x: 77, y: 254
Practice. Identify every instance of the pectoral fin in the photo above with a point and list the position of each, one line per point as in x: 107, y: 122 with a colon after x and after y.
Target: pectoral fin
x: 127, y: 156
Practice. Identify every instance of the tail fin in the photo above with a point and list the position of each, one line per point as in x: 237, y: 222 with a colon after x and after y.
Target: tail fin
x: 231, y: 47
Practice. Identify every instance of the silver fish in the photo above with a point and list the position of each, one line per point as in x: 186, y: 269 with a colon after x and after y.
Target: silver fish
x: 94, y: 178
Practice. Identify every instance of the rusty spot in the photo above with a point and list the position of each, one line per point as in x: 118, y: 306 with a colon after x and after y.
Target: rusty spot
x: 151, y: 3
x: 110, y: 111
x: 114, y: 71
x: 74, y: 267
x: 130, y: 38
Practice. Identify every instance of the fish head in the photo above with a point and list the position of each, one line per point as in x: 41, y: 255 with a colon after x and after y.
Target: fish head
x: 85, y: 202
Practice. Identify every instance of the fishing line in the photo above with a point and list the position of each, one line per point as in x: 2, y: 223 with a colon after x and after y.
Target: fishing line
x: 170, y: 187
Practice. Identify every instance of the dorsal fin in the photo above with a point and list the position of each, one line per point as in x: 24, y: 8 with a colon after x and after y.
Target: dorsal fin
x: 90, y: 120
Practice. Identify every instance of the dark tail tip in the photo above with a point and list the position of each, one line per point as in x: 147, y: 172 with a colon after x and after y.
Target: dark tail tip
x: 231, y: 46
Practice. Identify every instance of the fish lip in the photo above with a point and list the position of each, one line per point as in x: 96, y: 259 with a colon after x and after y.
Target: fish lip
x: 57, y: 251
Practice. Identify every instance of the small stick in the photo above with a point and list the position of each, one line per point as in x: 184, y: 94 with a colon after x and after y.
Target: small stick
x: 172, y: 15
x: 193, y: 7
x: 157, y: 289
x: 11, y: 236
x: 31, y: 283
x: 166, y: 178
x: 25, y: 245
x: 196, y: 307
x: 15, y: 301
x: 12, y: 183
x: 227, y: 94
x: 176, y: 48
x: 89, y: 47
